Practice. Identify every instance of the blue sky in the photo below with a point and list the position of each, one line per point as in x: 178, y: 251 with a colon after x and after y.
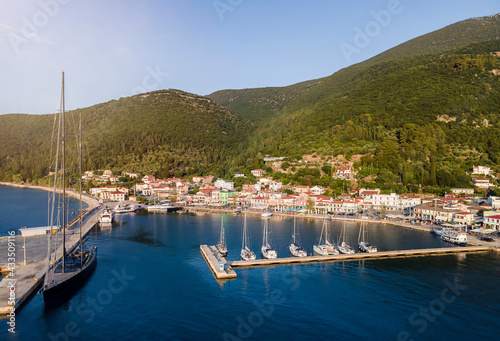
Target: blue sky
x: 114, y: 48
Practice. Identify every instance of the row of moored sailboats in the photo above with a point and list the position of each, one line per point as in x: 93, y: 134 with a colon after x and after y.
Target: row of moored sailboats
x: 325, y: 246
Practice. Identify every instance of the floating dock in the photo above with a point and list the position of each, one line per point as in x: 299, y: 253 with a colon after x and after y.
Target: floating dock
x: 359, y: 256
x: 28, y: 279
x: 218, y: 264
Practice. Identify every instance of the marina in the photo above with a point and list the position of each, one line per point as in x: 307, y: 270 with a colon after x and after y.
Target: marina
x: 213, y: 259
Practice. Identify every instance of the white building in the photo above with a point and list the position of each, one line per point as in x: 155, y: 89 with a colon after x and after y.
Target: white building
x: 494, y: 202
x: 481, y: 170
x: 492, y: 221
x: 482, y: 182
x: 317, y: 190
x: 258, y: 172
x: 223, y: 184
x: 409, y: 202
x: 466, y: 191
x: 275, y: 185
x: 389, y: 201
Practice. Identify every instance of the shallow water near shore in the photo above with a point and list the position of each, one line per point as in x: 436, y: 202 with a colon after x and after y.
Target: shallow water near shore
x: 151, y: 282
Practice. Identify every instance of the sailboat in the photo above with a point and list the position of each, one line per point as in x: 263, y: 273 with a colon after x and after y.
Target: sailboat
x: 221, y: 245
x: 266, y: 250
x: 342, y: 244
x: 324, y: 246
x: 246, y: 253
x: 77, y: 265
x: 363, y: 244
x: 295, y: 249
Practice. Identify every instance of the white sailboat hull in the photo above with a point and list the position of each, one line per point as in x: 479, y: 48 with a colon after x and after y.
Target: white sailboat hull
x: 246, y: 254
x: 346, y: 249
x: 297, y: 251
x: 268, y: 253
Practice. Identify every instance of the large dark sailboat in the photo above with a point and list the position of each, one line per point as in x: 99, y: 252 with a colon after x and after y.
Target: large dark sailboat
x: 75, y: 266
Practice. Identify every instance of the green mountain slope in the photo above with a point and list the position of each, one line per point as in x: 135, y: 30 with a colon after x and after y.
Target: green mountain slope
x: 256, y: 104
x: 421, y: 113
x: 165, y: 132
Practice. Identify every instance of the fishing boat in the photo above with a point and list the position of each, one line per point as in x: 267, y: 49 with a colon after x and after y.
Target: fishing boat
x: 455, y: 237
x: 164, y: 206
x: 363, y: 244
x: 266, y: 214
x: 295, y: 249
x: 221, y: 245
x: 439, y: 230
x: 107, y: 216
x: 267, y: 251
x: 342, y: 244
x: 325, y: 247
x: 124, y: 208
x: 66, y: 274
x: 246, y: 253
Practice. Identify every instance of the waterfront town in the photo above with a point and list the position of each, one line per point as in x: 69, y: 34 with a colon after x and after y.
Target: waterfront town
x: 460, y: 208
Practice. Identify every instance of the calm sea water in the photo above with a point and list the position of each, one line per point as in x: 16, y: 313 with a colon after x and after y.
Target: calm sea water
x: 151, y: 282
x: 20, y: 207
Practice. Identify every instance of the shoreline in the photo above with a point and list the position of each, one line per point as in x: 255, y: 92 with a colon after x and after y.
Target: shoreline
x: 85, y: 197
x: 93, y: 203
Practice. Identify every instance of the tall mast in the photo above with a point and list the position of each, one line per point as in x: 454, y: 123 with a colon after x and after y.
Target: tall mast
x: 80, y: 180
x: 243, y: 244
x: 63, y: 169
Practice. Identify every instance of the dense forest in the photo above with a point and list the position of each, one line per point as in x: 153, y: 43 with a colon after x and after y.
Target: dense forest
x: 417, y: 117
x: 165, y: 133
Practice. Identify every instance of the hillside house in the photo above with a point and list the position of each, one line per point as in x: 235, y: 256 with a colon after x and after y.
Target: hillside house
x: 148, y: 179
x: 317, y: 190
x: 465, y: 191
x: 258, y: 172
x: 481, y: 170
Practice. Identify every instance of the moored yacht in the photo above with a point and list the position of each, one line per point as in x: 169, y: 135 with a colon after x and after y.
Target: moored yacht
x: 246, y: 253
x: 342, y: 245
x: 107, y: 216
x: 267, y: 251
x: 164, y: 206
x: 221, y: 245
x: 124, y: 208
x: 295, y: 249
x: 363, y: 244
x: 324, y: 246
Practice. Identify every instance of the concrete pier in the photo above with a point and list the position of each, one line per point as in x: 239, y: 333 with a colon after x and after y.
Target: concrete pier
x: 28, y: 279
x: 359, y: 256
x: 215, y: 260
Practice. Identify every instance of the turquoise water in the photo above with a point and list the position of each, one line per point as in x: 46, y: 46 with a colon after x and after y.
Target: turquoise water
x: 151, y: 282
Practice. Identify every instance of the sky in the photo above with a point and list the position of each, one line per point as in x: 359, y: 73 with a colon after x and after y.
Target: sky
x: 117, y: 48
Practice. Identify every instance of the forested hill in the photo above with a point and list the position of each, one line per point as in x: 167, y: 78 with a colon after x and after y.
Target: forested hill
x: 164, y: 132
x: 420, y: 113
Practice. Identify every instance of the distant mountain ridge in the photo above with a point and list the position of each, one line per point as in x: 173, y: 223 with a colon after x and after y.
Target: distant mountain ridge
x: 420, y: 113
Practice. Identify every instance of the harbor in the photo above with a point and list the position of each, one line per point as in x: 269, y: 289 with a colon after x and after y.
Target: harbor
x: 161, y: 253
